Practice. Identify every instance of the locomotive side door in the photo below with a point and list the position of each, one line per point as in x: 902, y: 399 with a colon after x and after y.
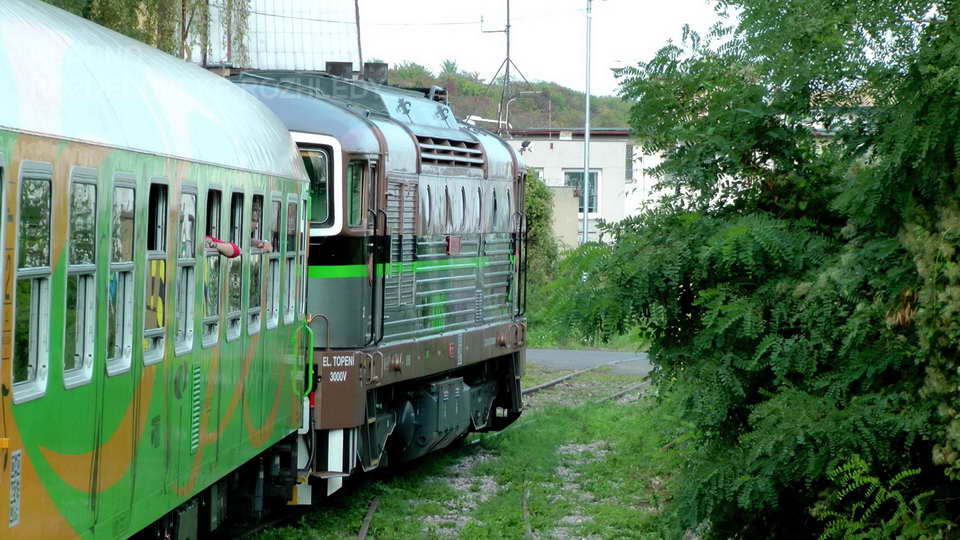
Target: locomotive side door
x: 377, y: 234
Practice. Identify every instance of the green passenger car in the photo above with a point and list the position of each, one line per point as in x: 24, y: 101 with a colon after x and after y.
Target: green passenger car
x: 142, y: 371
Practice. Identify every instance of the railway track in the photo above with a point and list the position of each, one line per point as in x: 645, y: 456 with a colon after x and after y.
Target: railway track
x: 289, y: 515
x: 560, y: 380
x: 568, y: 376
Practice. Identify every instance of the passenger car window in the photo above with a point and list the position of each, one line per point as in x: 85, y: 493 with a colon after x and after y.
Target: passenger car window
x: 31, y: 341
x: 80, y: 317
x: 120, y: 285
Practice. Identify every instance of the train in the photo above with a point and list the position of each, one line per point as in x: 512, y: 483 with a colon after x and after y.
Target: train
x: 371, y: 311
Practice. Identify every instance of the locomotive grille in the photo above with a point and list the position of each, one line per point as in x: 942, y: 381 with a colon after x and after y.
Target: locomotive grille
x: 401, y: 215
x: 195, y: 409
x: 451, y: 153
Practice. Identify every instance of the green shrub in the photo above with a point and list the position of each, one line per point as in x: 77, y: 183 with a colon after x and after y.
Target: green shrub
x: 800, y: 281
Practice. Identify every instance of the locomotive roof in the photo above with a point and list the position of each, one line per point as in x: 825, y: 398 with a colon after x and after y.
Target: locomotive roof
x: 316, y: 102
x: 66, y: 77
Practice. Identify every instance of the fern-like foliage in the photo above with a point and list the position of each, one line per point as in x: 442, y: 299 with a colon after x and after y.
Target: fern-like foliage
x: 800, y: 280
x: 862, y: 506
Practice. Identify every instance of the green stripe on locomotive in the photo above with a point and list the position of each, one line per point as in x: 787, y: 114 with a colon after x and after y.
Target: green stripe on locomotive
x: 433, y: 312
x: 114, y: 453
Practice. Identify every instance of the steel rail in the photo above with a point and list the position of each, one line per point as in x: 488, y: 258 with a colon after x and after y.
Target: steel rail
x: 577, y: 373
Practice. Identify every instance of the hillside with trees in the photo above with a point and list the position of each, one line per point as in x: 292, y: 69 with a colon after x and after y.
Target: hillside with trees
x: 470, y: 94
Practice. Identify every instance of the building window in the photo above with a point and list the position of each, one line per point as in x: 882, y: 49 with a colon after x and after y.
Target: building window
x: 80, y: 317
x: 628, y: 176
x: 186, y: 272
x: 31, y: 331
x: 535, y: 172
x: 574, y: 178
x: 120, y: 285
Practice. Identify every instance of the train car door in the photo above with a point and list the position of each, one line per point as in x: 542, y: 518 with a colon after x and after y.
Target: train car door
x: 120, y: 403
x: 377, y: 231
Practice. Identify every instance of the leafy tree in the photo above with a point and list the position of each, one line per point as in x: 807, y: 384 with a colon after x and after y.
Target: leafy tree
x: 449, y: 68
x: 542, y: 245
x: 799, y: 282
x: 411, y: 74
x: 173, y: 26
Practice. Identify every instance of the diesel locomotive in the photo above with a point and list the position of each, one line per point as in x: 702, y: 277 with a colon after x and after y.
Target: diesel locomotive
x: 150, y: 385
x: 415, y: 269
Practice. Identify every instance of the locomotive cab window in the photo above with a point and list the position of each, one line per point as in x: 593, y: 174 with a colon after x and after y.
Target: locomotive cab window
x: 211, y: 278
x: 80, y: 315
x: 235, y: 269
x: 154, y: 321
x: 31, y: 329
x: 355, y: 179
x: 317, y: 163
x: 186, y: 271
x: 120, y: 285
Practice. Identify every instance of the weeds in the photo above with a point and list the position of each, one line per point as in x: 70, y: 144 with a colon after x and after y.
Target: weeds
x: 590, y: 470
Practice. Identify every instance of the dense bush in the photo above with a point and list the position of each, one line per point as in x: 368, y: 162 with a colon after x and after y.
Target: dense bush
x: 800, y: 283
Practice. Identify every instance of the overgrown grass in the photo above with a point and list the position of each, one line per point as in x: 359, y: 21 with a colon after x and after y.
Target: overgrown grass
x: 614, y: 495
x: 536, y: 374
x: 541, y: 337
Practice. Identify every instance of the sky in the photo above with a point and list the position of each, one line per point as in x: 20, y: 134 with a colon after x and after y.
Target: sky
x: 548, y: 37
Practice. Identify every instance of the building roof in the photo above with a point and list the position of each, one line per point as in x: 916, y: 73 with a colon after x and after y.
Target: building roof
x: 66, y: 77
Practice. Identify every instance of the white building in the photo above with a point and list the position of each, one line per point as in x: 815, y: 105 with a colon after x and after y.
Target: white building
x: 618, y: 184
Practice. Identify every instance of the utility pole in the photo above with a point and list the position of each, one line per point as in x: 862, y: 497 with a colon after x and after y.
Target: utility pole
x: 505, y: 66
x: 586, y: 138
x: 506, y: 82
x: 356, y: 4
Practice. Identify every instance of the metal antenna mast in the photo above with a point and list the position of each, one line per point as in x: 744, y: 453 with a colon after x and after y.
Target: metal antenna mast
x: 356, y: 5
x: 586, y: 139
x: 505, y: 67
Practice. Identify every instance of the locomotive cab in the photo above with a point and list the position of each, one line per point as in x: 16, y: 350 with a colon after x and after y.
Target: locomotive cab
x: 340, y: 253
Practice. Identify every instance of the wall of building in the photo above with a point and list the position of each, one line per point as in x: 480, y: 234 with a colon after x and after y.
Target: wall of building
x: 620, y: 197
x: 566, y: 205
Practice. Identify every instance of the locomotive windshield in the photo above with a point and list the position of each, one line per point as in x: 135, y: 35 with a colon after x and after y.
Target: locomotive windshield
x: 317, y: 163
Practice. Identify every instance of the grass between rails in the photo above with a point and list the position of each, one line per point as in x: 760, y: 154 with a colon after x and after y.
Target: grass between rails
x: 594, y: 470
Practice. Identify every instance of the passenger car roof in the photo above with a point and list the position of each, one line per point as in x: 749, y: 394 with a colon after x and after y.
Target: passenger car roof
x: 66, y: 77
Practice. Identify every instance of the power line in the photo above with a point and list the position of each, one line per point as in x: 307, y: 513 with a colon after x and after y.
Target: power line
x: 450, y: 23
x: 292, y: 17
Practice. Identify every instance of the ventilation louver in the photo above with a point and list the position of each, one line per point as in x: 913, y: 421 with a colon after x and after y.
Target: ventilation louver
x: 450, y: 153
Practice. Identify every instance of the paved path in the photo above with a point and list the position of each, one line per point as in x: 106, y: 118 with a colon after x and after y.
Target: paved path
x: 636, y: 364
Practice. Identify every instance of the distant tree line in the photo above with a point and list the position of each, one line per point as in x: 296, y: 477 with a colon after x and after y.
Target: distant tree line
x: 177, y: 27
x: 470, y: 94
